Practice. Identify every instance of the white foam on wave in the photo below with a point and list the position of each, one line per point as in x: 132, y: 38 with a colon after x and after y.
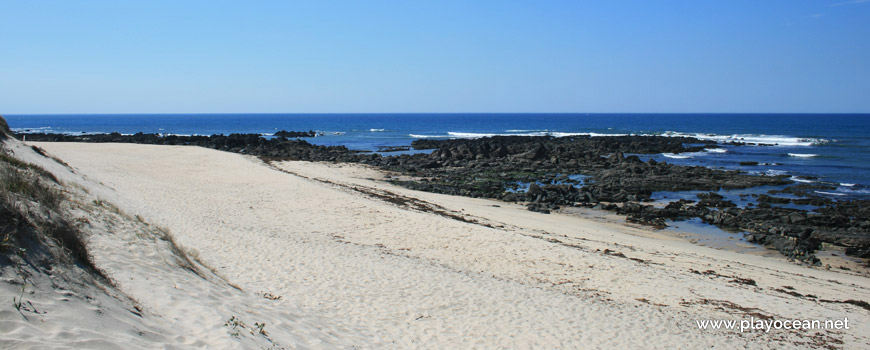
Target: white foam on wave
x: 591, y: 134
x: 568, y: 134
x: 475, y: 135
x: 831, y: 193
x: 30, y: 130
x: 772, y: 172
x: 48, y: 130
x: 745, y: 138
x: 847, y: 185
x: 82, y: 133
x: 417, y: 136
x: 802, y: 155
x: 776, y: 140
x: 469, y: 135
x: 376, y: 130
x: 853, y: 190
x: 797, y: 179
x: 676, y: 156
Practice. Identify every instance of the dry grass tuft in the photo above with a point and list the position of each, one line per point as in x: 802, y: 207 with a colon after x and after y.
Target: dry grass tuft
x: 33, y: 217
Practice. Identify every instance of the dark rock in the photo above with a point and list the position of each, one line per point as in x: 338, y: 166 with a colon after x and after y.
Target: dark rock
x: 393, y: 148
x: 294, y: 134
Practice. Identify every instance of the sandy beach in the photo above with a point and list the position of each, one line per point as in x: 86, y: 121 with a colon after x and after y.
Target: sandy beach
x: 277, y: 175
x: 332, y: 255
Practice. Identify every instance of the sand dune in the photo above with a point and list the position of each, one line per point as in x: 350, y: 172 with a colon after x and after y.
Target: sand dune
x: 357, y: 261
x: 159, y: 299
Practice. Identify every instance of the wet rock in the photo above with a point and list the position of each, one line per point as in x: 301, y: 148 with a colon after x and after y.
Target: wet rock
x: 776, y: 200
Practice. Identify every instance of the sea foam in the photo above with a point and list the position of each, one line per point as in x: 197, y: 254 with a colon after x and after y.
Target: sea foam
x: 676, y: 156
x: 774, y: 140
x: 797, y: 179
x: 831, y: 193
x: 476, y: 135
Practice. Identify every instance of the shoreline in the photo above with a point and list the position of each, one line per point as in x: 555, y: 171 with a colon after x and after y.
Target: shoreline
x: 839, y: 259
x: 422, y: 268
x: 489, y: 167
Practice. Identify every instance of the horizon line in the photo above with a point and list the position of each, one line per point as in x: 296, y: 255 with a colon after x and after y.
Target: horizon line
x: 443, y: 113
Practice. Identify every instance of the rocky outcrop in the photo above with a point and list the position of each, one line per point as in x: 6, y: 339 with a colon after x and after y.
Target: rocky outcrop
x: 296, y: 134
x: 486, y: 167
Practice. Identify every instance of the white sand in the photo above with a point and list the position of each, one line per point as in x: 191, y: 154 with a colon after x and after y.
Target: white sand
x: 354, y: 269
x: 180, y: 309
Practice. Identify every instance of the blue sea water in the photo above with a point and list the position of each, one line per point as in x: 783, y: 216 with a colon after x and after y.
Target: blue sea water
x: 832, y: 149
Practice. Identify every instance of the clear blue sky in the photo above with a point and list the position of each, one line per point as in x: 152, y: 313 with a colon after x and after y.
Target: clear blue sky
x: 434, y: 56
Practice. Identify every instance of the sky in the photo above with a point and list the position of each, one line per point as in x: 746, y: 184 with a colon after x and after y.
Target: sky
x: 692, y: 56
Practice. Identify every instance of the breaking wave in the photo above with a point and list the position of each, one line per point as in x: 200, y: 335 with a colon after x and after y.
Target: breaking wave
x: 476, y: 135
x: 676, y: 156
x: 774, y: 140
x: 797, y: 179
x: 831, y: 193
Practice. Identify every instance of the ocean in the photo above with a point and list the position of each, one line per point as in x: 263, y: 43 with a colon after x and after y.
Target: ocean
x: 820, y: 148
